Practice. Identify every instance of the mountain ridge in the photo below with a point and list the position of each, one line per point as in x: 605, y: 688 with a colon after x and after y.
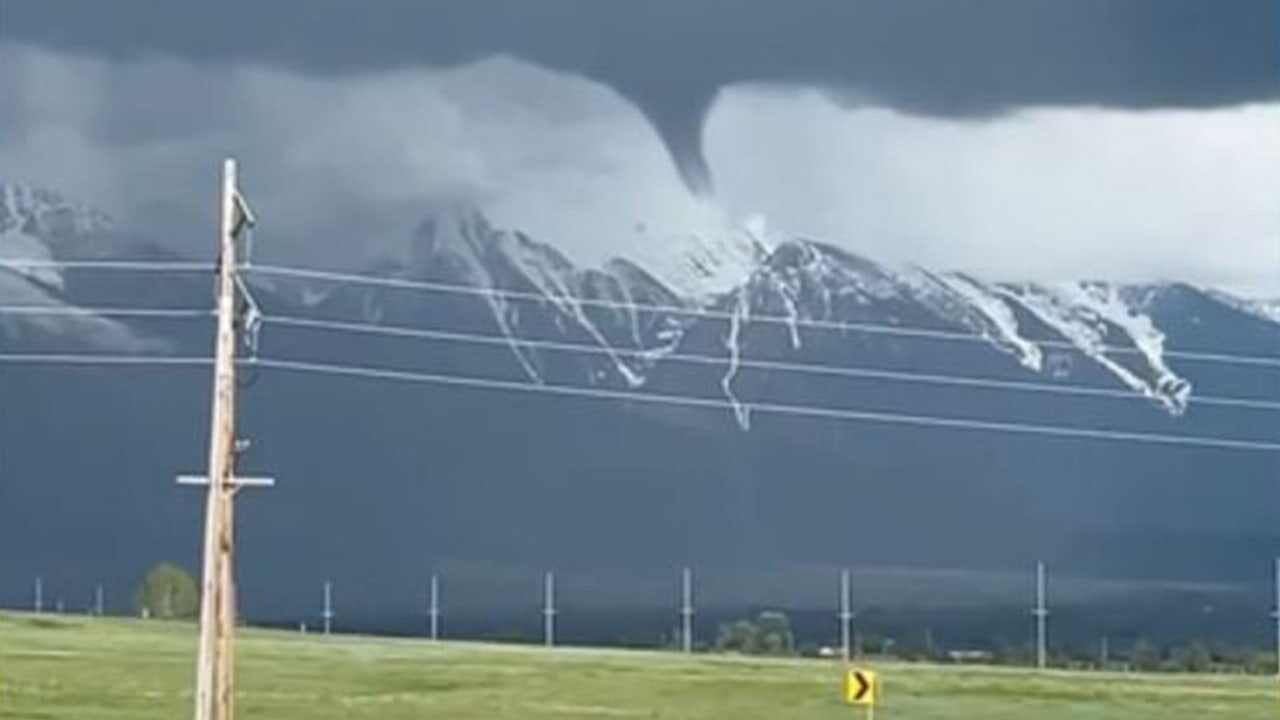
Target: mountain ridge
x: 632, y: 317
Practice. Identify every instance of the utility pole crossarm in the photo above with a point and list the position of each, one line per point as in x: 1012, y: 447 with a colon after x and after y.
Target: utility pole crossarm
x: 235, y: 481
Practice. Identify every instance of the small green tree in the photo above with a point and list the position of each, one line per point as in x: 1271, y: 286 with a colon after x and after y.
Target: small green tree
x: 1144, y: 656
x: 1257, y: 662
x: 167, y: 592
x: 775, y: 633
x: 738, y: 636
x: 1194, y: 657
x: 769, y: 634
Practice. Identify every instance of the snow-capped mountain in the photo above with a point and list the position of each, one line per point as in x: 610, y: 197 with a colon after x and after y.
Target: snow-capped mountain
x: 804, y: 281
x: 41, y: 225
x: 1266, y: 308
x: 626, y: 320
x: 536, y: 294
x: 615, y: 324
x: 37, y: 224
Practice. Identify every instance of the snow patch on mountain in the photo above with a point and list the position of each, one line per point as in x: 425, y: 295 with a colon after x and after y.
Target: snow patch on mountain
x: 979, y: 307
x: 557, y: 282
x: 1000, y: 326
x: 739, y: 316
x: 1263, y: 308
x: 1090, y: 316
x: 699, y: 267
x: 457, y: 239
x: 804, y: 281
x: 521, y: 275
x: 68, y: 323
x: 1266, y: 309
x: 18, y: 245
x: 35, y: 224
x: 43, y: 212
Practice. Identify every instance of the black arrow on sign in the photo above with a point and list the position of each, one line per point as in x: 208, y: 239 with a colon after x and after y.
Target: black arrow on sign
x: 863, y: 685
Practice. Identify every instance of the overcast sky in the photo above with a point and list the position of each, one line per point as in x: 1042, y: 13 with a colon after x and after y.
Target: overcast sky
x: 1036, y: 140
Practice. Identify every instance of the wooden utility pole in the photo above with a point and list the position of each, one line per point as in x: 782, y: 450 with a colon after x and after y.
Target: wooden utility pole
x: 214, y: 693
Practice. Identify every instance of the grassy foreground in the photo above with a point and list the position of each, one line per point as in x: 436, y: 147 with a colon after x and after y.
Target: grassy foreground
x: 71, y: 668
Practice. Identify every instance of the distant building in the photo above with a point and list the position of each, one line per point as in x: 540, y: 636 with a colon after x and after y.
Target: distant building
x: 970, y: 656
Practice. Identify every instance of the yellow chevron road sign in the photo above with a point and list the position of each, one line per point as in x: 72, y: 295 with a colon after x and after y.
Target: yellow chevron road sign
x: 861, y: 687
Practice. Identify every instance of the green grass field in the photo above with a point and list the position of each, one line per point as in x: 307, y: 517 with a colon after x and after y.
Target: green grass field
x: 72, y: 668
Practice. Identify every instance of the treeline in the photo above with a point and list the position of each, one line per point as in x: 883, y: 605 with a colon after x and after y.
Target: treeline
x: 170, y: 592
x: 770, y: 633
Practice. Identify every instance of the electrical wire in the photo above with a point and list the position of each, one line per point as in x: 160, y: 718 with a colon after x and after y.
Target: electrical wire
x: 689, y: 311
x: 76, y: 310
x: 773, y: 365
x: 169, y: 266
x: 101, y: 359
x: 680, y: 310
x: 605, y: 393
x: 766, y: 407
x: 654, y: 398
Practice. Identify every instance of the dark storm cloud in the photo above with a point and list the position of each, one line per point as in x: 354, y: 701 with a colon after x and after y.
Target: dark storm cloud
x: 671, y: 57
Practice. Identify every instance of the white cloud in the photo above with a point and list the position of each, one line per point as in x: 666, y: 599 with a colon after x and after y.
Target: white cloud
x: 343, y: 168
x: 1039, y: 194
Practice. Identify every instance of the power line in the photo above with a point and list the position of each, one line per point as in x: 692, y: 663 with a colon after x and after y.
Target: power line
x: 164, y: 266
x: 691, y: 311
x: 656, y: 398
x: 477, y: 338
x: 89, y: 310
x: 778, y: 365
x: 768, y: 407
x: 101, y: 359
